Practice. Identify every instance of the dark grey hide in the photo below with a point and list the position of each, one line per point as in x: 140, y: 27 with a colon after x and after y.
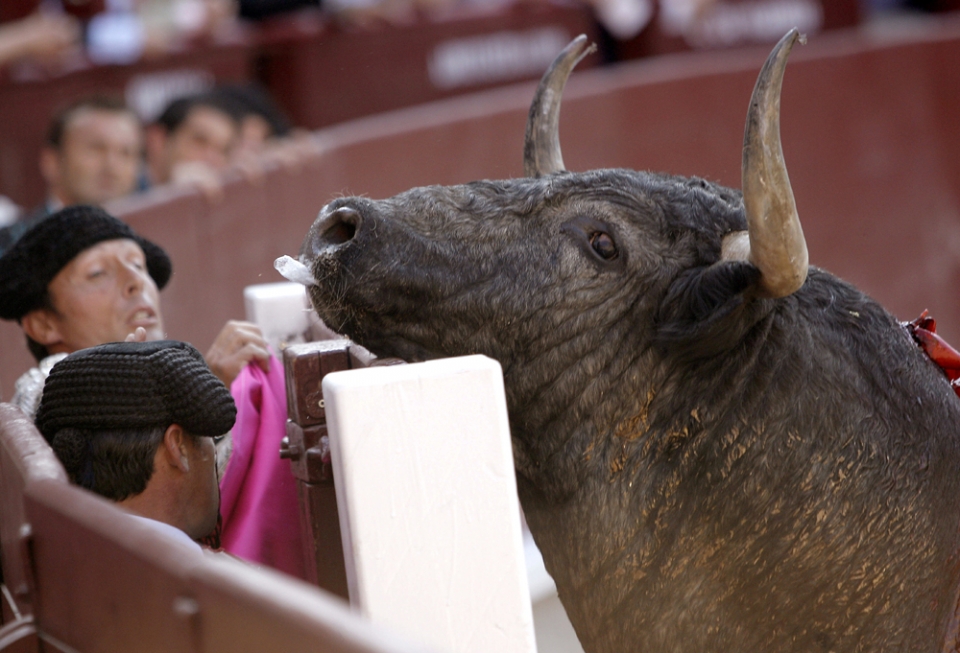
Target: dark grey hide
x: 706, y: 464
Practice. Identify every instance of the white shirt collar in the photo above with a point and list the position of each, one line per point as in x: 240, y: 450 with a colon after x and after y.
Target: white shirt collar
x: 170, y: 531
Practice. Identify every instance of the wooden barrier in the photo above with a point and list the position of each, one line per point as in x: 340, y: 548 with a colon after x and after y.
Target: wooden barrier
x: 24, y: 458
x: 308, y: 448
x: 253, y: 610
x: 104, y: 584
x: 101, y: 582
x: 869, y: 135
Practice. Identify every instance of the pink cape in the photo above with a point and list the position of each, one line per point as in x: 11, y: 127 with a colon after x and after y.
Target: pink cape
x: 258, y: 493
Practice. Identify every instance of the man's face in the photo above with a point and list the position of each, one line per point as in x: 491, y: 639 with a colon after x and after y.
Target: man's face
x: 203, y: 490
x: 206, y: 136
x: 102, y: 296
x: 99, y: 157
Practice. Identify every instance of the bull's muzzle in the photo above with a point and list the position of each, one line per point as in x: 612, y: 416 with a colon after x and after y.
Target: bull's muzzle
x: 335, y: 227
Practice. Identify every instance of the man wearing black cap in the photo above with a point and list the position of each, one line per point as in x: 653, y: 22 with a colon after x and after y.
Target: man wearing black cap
x: 134, y: 422
x: 82, y: 278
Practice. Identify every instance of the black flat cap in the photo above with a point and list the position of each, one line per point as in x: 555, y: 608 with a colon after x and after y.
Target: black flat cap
x: 29, y: 266
x: 133, y: 385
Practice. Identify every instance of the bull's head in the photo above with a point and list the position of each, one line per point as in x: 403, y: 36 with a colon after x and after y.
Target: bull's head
x: 558, y: 273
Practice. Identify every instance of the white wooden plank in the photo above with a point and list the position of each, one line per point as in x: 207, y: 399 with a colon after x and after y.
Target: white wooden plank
x: 427, y: 496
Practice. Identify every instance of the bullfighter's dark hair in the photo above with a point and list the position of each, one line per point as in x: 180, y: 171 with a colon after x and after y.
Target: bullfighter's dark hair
x: 115, y: 464
x: 61, y: 120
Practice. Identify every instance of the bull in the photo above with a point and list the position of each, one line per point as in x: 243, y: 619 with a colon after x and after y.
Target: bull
x: 718, y: 447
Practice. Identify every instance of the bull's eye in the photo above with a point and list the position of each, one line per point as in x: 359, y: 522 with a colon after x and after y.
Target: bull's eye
x: 603, y: 245
x: 596, y: 239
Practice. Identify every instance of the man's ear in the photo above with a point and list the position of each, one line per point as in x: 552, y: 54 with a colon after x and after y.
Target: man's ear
x: 50, y: 166
x: 175, y: 448
x: 42, y: 326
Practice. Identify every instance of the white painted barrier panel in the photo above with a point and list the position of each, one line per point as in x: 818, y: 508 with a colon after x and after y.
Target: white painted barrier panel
x: 281, y: 310
x: 428, y: 505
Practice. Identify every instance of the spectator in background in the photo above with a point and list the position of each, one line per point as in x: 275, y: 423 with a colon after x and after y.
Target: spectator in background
x: 171, y: 24
x: 92, y: 154
x: 193, y: 140
x: 266, y: 135
x: 135, y: 422
x: 196, y: 138
x: 261, y: 120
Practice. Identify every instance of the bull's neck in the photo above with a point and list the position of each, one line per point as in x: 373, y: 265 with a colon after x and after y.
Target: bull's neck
x: 603, y: 530
x: 591, y: 556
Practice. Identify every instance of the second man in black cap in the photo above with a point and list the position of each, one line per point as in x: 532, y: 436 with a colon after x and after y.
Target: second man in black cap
x: 135, y: 422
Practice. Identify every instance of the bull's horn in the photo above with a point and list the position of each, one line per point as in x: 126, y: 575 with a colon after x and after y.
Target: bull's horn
x: 541, y: 148
x: 776, y: 243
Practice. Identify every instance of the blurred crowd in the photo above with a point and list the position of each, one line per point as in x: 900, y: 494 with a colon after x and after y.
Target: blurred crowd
x: 52, y: 33
x: 97, y: 149
x: 55, y: 33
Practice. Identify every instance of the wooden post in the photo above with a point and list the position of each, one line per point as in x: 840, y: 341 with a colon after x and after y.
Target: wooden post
x: 307, y: 446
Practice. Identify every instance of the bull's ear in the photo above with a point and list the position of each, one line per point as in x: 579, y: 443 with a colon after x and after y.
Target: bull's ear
x: 707, y: 309
x: 774, y: 241
x: 541, y: 149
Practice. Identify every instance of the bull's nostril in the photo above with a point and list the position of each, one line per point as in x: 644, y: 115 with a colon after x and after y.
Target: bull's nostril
x: 342, y: 226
